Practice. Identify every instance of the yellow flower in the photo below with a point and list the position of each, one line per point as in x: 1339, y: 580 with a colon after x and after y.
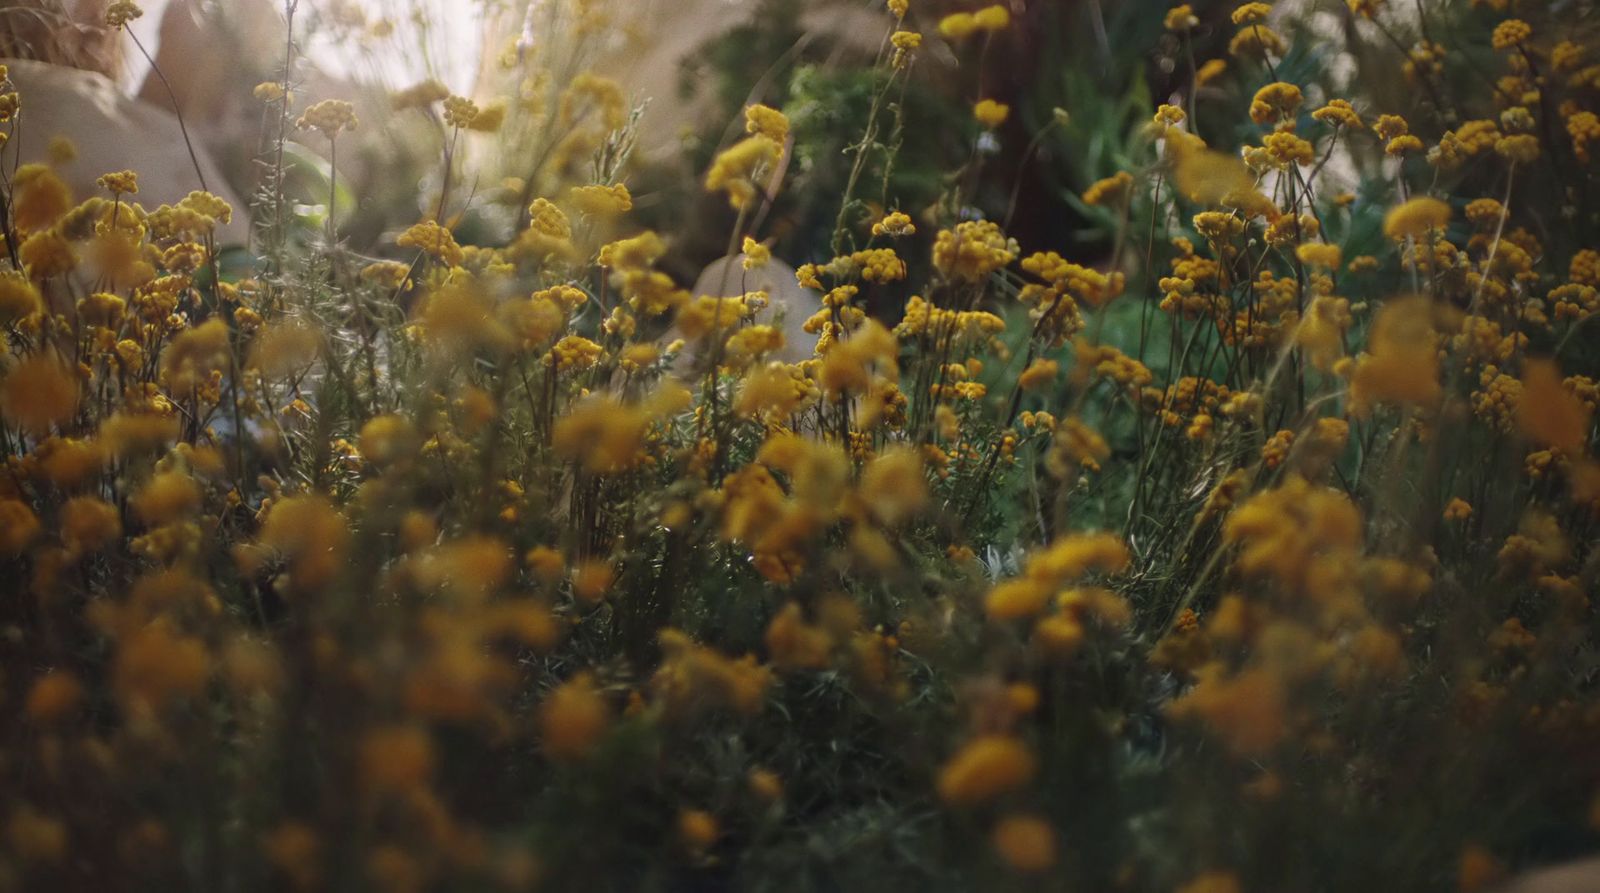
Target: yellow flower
x: 573, y: 718
x: 1026, y: 843
x: 894, y: 225
x: 268, y: 91
x: 1584, y: 128
x: 893, y: 485
x: 489, y: 119
x: 1076, y: 446
x: 706, y: 315
x: 548, y: 238
x: 420, y: 95
x: 1283, y: 149
x: 995, y: 17
x: 1548, y: 413
x: 251, y: 667
x: 120, y: 183
x: 434, y: 240
x: 793, y: 644
x: 1510, y: 34
x: 1209, y: 177
x: 284, y: 348
x: 547, y: 220
x: 89, y: 524
x: 637, y: 356
x: 604, y: 93
x: 635, y: 253
x: 591, y: 580
x: 603, y: 435
x: 775, y: 391
x: 459, y: 111
x: 545, y: 562
x: 601, y: 201
x: 1388, y: 127
x: 1109, y: 190
x: 1073, y: 555
x: 737, y: 170
x: 972, y: 251
x: 311, y: 534
x: 39, y: 198
x: 39, y: 392
x: 156, y: 666
x: 1213, y: 69
x: 1322, y: 330
x: 388, y: 439
x: 330, y: 116
x: 765, y: 783
x: 460, y: 319
x: 761, y: 120
x: 1522, y: 148
x: 1338, y: 113
x: 53, y: 696
x: 1251, y: 13
x: 1275, y: 102
x: 1016, y: 599
x: 985, y: 768
x: 697, y: 829
x: 1567, y: 55
x: 1180, y: 18
x: 1290, y: 534
x: 1402, y: 144
x: 991, y: 114
x: 1257, y: 40
x: 19, y: 298
x: 195, y: 355
x: 18, y: 526
x: 752, y: 342
x: 904, y: 43
x: 395, y: 759
x: 166, y: 497
x: 1038, y: 376
x: 1415, y: 218
x: 756, y: 254
x: 575, y: 352
x: 1319, y: 254
x: 122, y: 12
x: 693, y: 677
x: 1247, y: 711
x: 957, y: 26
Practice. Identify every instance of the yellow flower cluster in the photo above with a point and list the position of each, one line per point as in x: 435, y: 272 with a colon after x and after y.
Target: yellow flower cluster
x: 1276, y: 103
x: 526, y: 500
x: 738, y: 170
x: 601, y: 201
x: 330, y: 116
x: 960, y: 25
x: 972, y: 251
x: 895, y: 224
x: 991, y: 114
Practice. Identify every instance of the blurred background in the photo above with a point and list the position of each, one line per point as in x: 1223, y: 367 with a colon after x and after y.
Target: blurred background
x: 689, y: 65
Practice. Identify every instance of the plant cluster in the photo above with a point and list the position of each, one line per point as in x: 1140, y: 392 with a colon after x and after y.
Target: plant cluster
x: 1257, y: 556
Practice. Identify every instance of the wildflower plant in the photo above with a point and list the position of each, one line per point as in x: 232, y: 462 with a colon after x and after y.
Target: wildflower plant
x: 1257, y: 554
